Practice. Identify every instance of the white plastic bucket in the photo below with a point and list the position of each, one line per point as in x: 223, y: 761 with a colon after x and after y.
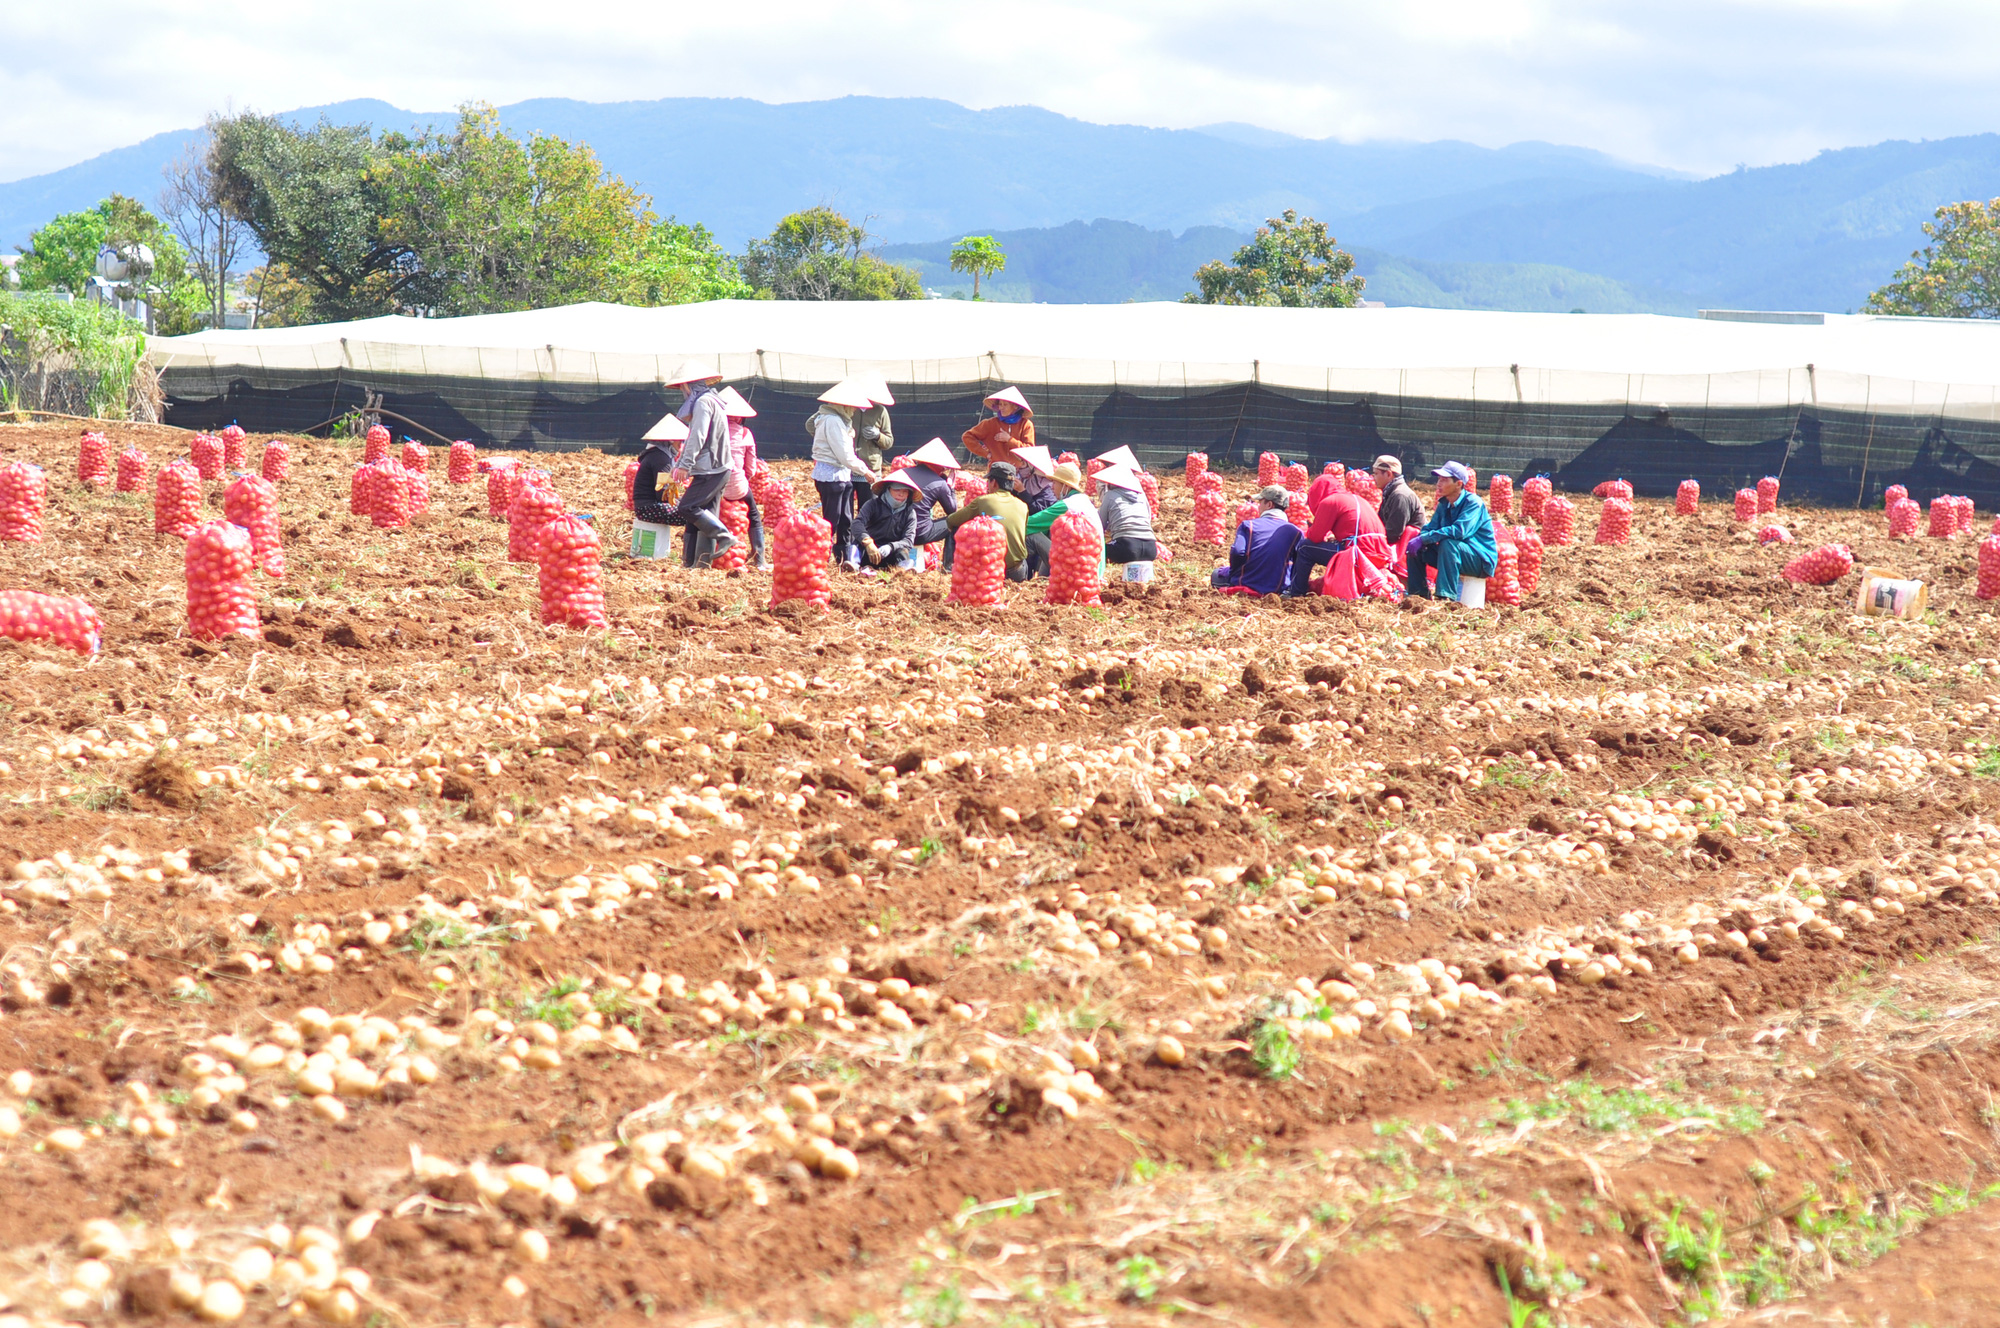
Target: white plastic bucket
x: 1472, y: 591
x: 1139, y: 573
x: 652, y: 541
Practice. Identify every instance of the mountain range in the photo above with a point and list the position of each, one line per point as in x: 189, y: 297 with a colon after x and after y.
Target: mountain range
x: 1531, y: 225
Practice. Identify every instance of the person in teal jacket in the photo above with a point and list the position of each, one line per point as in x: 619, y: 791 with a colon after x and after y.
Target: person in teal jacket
x: 1458, y: 540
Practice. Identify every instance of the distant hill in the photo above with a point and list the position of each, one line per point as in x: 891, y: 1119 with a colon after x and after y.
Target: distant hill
x: 1463, y: 223
x: 1108, y: 262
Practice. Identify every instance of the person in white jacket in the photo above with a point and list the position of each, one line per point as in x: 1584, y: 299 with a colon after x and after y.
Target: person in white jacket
x: 837, y: 467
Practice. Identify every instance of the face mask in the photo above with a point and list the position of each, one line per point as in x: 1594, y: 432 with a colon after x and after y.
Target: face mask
x: 1005, y: 418
x: 898, y: 501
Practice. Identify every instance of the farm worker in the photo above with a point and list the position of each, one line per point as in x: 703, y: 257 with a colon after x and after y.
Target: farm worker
x: 1005, y: 506
x: 837, y: 466
x: 888, y: 525
x: 1338, y: 518
x: 1034, y: 467
x: 1067, y: 482
x: 874, y: 439
x: 1128, y: 522
x: 742, y: 456
x: 656, y: 458
x: 930, y: 468
x: 1262, y: 550
x: 1010, y: 427
x: 1400, y: 508
x: 703, y: 464
x: 1458, y: 540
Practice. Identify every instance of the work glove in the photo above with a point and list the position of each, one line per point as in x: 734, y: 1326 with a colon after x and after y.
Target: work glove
x: 870, y: 433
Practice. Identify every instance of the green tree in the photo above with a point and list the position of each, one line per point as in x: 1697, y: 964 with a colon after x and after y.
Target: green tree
x: 1291, y: 262
x: 679, y: 263
x: 818, y: 254
x: 979, y: 255
x: 1957, y: 275
x: 315, y: 199
x: 62, y: 255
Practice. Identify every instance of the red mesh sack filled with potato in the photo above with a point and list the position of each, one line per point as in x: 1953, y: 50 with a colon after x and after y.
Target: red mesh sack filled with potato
x: 251, y: 502
x: 569, y: 566
x: 24, y: 494
x: 499, y: 488
x: 93, y: 460
x: 176, y: 500
x: 802, y: 546
x: 534, y: 506
x: 1090, y: 476
x: 736, y: 516
x: 1528, y: 557
x: 1613, y: 489
x: 1767, y: 495
x: 1905, y: 515
x: 462, y: 464
x: 1820, y: 567
x: 1151, y: 488
x: 979, y: 568
x: 416, y: 457
x: 1944, y: 518
x: 1208, y: 512
x: 220, y: 602
x: 1558, y: 520
x: 1197, y: 464
x: 631, y: 478
x: 1989, y: 566
x: 1075, y: 549
x: 1614, y: 522
x: 1504, y: 586
x: 1297, y: 512
x: 1500, y: 495
x: 1535, y: 491
x: 235, y: 448
x: 359, y: 502
x: 1892, y: 495
x: 375, y: 446
x: 26, y: 615
x: 1774, y: 534
x: 205, y: 450
x: 1687, y: 498
x: 1295, y: 476
x: 389, y: 495
x: 277, y: 465
x: 131, y: 471
x: 1967, y: 513
x: 1268, y: 466
x: 419, y: 485
x: 1746, y: 505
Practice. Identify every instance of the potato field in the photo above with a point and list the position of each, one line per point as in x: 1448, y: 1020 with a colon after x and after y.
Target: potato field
x: 1624, y: 958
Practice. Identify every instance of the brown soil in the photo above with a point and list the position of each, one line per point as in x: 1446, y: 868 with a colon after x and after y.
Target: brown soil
x: 982, y: 798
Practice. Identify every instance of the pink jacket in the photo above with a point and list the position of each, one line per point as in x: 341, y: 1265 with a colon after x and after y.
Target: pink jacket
x: 742, y: 456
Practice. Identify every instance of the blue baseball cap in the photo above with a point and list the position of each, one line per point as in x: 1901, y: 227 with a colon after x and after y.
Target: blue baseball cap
x: 1454, y: 470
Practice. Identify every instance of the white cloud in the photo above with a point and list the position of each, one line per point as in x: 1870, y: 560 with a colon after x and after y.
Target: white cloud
x: 1698, y: 84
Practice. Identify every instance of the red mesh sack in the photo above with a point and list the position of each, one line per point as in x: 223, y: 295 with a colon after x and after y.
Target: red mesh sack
x: 220, y: 602
x: 420, y: 491
x: 176, y: 500
x: 1822, y: 566
x: 1892, y: 495
x: 979, y: 568
x: 389, y: 495
x: 569, y: 563
x: 1267, y: 468
x: 1500, y: 495
x: 1746, y: 505
x: 1208, y: 482
x: 1245, y: 511
x: 93, y: 460
x: 1504, y: 587
x: 1296, y: 511
x: 375, y: 447
x: 63, y: 619
x: 1905, y: 515
x: 1151, y: 488
x: 24, y: 494
x: 801, y: 547
x: 1614, y: 523
x: 1558, y: 520
x: 463, y: 463
x: 1363, y: 486
x: 1774, y: 534
x: 777, y: 503
x: 359, y: 503
x: 933, y: 556
x: 252, y: 503
x: 1535, y: 491
x: 131, y: 471
x: 1989, y: 567
x: 1966, y: 513
x: 736, y: 516
x: 1090, y: 477
x: 533, y: 507
x: 416, y: 457
x: 499, y: 489
x: 205, y: 450
x: 968, y: 486
x: 1295, y: 476
x: 235, y: 448
x: 1767, y: 495
x: 1687, y: 498
x: 1208, y: 527
x: 1197, y: 464
x: 631, y: 477
x: 1075, y: 548
x: 1069, y: 459
x: 1944, y: 518
x: 1613, y: 489
x: 1528, y: 552
x: 277, y: 466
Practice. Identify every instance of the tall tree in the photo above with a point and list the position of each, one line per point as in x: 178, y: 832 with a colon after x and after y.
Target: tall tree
x: 979, y: 255
x: 680, y: 264
x: 315, y: 199
x: 1957, y: 275
x: 818, y: 254
x: 202, y: 219
x: 62, y: 255
x: 1292, y: 262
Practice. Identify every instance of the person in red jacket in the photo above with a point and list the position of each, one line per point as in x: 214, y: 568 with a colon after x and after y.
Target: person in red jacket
x: 1338, y: 519
x: 1010, y: 427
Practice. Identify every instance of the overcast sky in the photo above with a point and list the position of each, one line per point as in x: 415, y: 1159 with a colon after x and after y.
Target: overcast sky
x: 1698, y: 85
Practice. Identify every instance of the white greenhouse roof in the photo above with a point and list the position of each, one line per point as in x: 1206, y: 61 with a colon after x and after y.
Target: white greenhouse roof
x: 1916, y: 365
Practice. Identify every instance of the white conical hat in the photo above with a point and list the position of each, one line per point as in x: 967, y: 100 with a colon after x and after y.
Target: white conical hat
x: 668, y: 430
x: 935, y: 455
x: 1037, y: 458
x: 1011, y: 395
x: 1123, y: 477
x: 848, y: 392
x: 877, y: 388
x: 1120, y: 456
x: 692, y: 371
x: 733, y: 404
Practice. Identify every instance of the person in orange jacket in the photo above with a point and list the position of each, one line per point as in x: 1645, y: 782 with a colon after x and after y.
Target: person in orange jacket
x: 1010, y: 427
